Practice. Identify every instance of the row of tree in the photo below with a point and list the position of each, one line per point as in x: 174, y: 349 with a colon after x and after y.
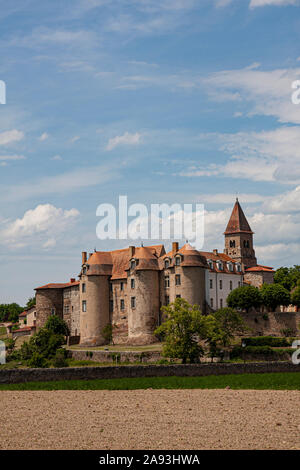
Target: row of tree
x: 11, y: 312
x: 269, y: 295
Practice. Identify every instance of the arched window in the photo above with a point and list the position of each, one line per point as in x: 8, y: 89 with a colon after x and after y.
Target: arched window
x: 177, y: 260
x: 232, y: 243
x: 167, y: 263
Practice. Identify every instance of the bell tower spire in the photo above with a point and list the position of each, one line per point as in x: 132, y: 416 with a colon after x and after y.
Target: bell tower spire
x: 239, y: 238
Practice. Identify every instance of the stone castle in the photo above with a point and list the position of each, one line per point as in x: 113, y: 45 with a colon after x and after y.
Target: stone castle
x: 126, y: 288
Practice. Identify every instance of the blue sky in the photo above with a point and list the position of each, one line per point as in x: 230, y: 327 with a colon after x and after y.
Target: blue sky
x: 165, y: 101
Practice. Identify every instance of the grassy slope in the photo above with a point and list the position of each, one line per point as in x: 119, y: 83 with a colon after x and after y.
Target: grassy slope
x: 274, y: 381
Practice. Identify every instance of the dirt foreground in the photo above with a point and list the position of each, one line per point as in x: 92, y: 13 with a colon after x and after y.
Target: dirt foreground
x: 150, y: 419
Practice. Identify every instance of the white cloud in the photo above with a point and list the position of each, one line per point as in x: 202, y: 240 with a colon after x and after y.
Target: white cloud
x: 9, y: 137
x: 6, y: 158
x: 263, y: 3
x: 43, y: 222
x: 258, y: 156
x: 288, y: 202
x: 56, y: 157
x: 125, y: 139
x: 44, y: 137
x: 74, y: 139
x: 269, y: 91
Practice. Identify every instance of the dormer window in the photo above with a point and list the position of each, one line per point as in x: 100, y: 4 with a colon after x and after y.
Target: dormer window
x: 220, y: 266
x: 238, y: 268
x: 167, y: 263
x: 177, y: 261
x: 230, y: 266
x: 132, y: 264
x: 210, y: 264
x: 84, y: 270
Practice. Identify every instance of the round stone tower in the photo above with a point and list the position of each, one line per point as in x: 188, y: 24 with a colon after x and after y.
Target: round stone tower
x: 143, y: 294
x: 94, y: 298
x: 191, y: 266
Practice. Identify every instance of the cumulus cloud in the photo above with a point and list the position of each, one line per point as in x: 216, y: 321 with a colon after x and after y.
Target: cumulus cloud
x: 125, y: 139
x: 41, y: 225
x: 6, y: 158
x: 9, y: 137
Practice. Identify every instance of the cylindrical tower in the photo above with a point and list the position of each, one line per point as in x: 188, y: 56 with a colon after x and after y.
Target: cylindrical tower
x: 143, y: 297
x: 94, y: 300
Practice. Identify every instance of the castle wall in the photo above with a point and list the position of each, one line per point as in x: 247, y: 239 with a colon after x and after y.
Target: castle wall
x: 48, y: 302
x: 216, y: 297
x: 257, y: 279
x: 71, y: 309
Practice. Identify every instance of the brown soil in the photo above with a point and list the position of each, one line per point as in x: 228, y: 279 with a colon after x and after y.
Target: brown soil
x: 150, y: 419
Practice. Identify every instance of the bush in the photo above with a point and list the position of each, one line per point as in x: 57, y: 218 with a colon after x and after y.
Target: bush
x: 60, y: 358
x: 266, y: 341
x: 37, y: 360
x: 260, y: 352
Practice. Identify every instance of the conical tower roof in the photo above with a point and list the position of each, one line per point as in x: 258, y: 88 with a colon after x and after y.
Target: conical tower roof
x: 237, y: 222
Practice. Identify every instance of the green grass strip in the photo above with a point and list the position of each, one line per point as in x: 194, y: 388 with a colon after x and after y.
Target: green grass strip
x: 270, y: 381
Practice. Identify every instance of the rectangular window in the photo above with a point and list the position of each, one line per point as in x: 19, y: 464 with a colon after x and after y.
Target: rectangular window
x: 111, y: 305
x: 221, y: 284
x: 167, y: 300
x: 178, y: 296
x: 122, y: 304
x: 132, y: 283
x: 210, y: 284
x: 230, y: 285
x: 84, y: 305
x: 177, y: 260
x: 177, y: 280
x: 122, y: 286
x: 132, y: 302
x: 83, y: 288
x: 239, y: 284
x: 110, y: 287
x: 212, y: 303
x: 66, y: 309
x: 52, y: 311
x: 167, y: 281
x: 221, y: 303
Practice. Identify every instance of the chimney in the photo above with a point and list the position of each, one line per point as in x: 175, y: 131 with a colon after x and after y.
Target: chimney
x: 175, y: 247
x: 83, y: 257
x: 215, y: 252
x: 72, y: 280
x: 131, y: 251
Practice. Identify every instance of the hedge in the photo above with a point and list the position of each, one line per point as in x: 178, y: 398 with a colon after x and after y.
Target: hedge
x: 267, y: 341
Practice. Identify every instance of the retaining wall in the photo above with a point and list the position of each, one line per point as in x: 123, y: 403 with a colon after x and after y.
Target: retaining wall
x: 110, y: 356
x: 179, y: 370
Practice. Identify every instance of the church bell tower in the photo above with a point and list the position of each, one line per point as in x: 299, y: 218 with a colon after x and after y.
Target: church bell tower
x: 239, y: 238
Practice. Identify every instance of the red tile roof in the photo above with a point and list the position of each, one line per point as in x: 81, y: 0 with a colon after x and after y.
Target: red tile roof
x: 259, y: 268
x: 58, y: 286
x: 23, y: 314
x: 237, y: 222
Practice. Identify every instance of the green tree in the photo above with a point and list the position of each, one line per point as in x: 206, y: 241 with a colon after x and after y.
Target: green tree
x: 274, y: 295
x: 57, y: 325
x: 10, y: 312
x: 31, y: 302
x: 229, y: 323
x: 181, y: 330
x: 287, y: 277
x: 244, y: 298
x: 43, y: 344
x: 295, y: 296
